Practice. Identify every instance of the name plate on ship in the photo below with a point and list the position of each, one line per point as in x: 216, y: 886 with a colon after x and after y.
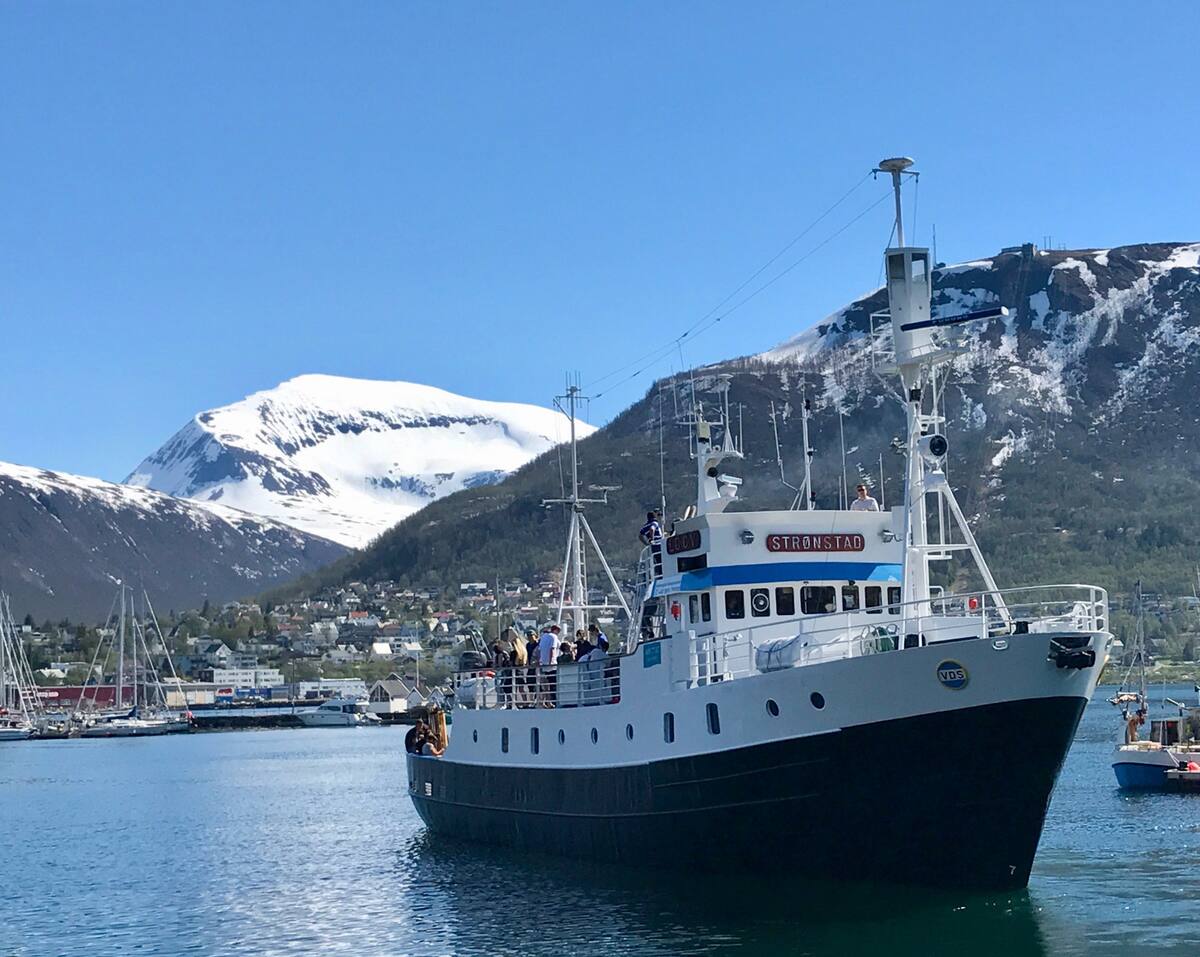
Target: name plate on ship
x: 825, y: 542
x: 683, y: 542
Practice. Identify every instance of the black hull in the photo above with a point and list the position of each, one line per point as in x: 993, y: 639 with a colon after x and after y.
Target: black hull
x: 953, y: 799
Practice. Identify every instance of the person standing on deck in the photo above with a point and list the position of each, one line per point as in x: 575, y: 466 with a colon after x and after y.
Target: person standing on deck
x: 547, y: 658
x: 651, y: 534
x: 864, y: 502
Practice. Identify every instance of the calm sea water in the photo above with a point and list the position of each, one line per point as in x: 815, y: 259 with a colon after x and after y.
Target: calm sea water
x: 304, y: 842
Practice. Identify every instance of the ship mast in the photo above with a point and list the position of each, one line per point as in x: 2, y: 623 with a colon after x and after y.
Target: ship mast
x: 574, y: 575
x: 916, y: 355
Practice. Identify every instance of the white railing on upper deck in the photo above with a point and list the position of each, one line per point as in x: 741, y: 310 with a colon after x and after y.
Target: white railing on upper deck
x: 569, y: 685
x: 1066, y: 609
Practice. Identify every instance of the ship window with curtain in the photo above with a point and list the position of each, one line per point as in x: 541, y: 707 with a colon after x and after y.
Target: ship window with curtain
x: 893, y: 600
x: 785, y: 601
x: 850, y: 597
x: 817, y: 599
x: 705, y: 606
x: 760, y: 602
x: 714, y: 718
x: 735, y: 603
x: 873, y: 595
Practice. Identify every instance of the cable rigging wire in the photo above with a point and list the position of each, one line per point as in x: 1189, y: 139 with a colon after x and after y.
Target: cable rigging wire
x: 703, y: 325
x: 749, y: 279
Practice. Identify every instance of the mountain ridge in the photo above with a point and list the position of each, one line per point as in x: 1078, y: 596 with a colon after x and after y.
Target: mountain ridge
x: 346, y: 458
x: 66, y: 540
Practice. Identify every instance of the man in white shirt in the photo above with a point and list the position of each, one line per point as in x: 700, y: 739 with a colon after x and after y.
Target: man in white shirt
x: 864, y: 502
x: 547, y: 649
x: 548, y: 646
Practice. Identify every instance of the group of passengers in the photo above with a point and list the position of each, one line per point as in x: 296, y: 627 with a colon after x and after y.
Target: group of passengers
x: 423, y: 739
x: 525, y: 663
x: 531, y: 649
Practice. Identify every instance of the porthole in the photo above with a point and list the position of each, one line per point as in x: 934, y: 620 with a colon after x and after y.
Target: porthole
x: 817, y: 699
x: 475, y: 736
x: 714, y: 718
x: 562, y: 737
x: 669, y: 727
x: 535, y: 741
x: 773, y: 707
x: 595, y: 735
x: 629, y: 731
x: 504, y: 740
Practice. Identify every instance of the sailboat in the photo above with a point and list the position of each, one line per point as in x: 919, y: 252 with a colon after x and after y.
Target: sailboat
x: 1169, y: 757
x: 149, y: 715
x: 19, y: 702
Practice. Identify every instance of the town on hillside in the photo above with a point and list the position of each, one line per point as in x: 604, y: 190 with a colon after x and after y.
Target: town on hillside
x: 395, y: 645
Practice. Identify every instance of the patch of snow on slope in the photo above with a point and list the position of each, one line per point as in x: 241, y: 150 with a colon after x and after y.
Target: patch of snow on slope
x: 348, y: 458
x: 829, y: 332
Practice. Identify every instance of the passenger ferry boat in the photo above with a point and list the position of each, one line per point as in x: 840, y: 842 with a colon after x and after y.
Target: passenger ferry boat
x: 795, y: 696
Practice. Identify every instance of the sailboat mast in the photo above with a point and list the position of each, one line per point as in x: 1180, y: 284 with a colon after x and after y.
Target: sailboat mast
x: 120, y: 695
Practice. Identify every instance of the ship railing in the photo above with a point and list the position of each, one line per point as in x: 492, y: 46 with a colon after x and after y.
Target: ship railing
x: 990, y: 615
x: 576, y: 684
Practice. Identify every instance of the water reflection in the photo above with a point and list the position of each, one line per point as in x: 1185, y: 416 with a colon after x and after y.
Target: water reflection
x: 499, y: 902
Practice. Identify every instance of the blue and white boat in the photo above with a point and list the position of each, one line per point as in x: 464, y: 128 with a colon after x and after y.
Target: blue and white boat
x: 1150, y: 763
x: 795, y: 695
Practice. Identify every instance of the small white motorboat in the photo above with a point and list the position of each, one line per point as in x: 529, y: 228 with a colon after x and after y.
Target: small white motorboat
x: 339, y: 713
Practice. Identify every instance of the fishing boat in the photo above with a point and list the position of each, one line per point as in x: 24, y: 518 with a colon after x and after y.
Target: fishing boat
x: 1168, y: 758
x: 794, y: 694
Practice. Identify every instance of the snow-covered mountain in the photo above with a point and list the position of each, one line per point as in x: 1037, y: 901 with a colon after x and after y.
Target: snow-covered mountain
x: 1094, y: 337
x: 344, y: 458
x: 66, y: 540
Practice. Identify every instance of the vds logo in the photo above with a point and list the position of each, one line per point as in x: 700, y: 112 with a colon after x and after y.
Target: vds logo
x: 952, y: 675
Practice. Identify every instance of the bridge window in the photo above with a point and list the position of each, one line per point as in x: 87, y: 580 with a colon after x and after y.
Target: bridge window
x: 849, y: 597
x: 705, y: 606
x: 893, y: 601
x: 693, y: 608
x: 785, y: 601
x: 817, y: 599
x: 714, y: 718
x: 874, y: 599
x: 735, y: 603
x: 760, y: 602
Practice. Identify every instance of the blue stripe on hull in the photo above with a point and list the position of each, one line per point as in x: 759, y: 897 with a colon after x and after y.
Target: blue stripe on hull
x: 1139, y: 776
x: 768, y: 572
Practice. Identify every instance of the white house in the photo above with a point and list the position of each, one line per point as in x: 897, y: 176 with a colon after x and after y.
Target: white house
x: 389, y: 697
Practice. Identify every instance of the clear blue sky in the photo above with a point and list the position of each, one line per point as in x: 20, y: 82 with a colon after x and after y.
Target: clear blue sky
x: 199, y: 200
